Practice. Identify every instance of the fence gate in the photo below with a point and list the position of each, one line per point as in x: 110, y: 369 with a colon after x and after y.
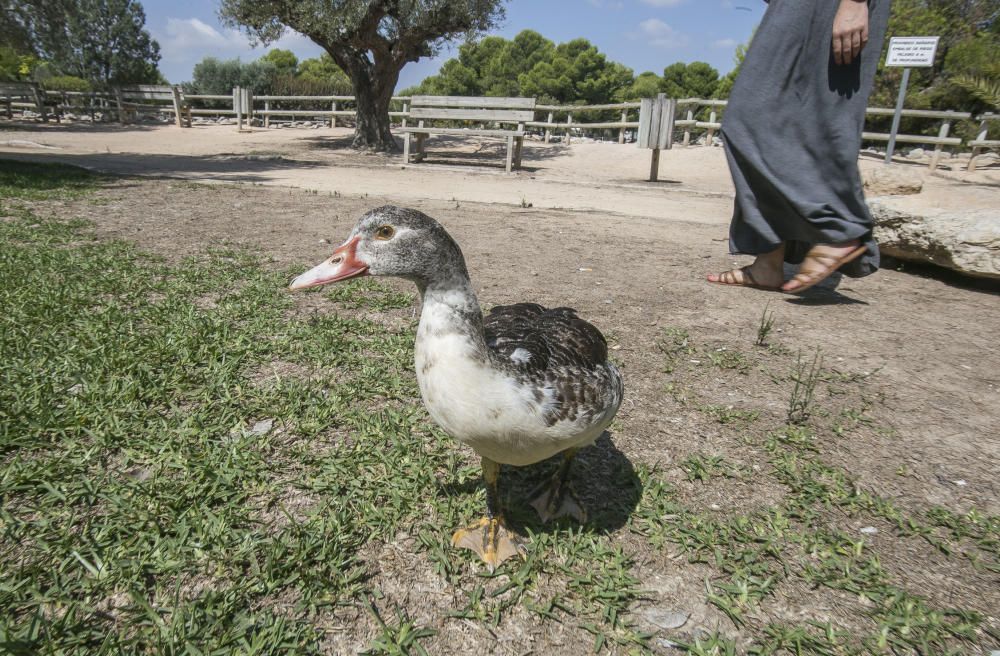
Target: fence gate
x: 656, y: 128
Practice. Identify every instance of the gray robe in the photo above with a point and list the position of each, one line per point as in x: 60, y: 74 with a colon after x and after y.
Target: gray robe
x: 792, y: 132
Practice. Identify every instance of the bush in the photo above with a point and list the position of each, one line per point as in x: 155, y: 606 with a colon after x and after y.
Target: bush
x: 67, y: 83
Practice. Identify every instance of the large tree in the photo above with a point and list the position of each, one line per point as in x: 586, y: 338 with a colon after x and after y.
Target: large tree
x: 107, y: 43
x: 531, y: 65
x: 102, y: 41
x: 694, y: 80
x: 370, y: 40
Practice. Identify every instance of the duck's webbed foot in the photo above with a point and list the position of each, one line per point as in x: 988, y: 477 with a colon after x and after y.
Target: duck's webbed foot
x: 555, y: 498
x: 489, y: 537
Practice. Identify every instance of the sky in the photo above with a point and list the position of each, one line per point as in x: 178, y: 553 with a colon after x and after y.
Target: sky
x: 645, y: 35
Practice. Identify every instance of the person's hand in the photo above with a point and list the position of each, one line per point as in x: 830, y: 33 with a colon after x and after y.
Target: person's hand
x: 850, y: 30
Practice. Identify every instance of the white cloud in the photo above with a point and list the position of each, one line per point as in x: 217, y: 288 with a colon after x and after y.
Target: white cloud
x: 724, y: 43
x: 663, y: 3
x: 186, y: 41
x: 186, y: 34
x: 660, y: 34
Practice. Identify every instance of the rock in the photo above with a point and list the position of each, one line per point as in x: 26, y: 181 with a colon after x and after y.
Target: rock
x: 262, y: 427
x: 664, y: 618
x: 892, y: 181
x: 916, y: 153
x: 869, y: 530
x: 966, y: 241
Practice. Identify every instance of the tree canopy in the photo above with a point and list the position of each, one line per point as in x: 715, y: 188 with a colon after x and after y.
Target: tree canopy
x: 370, y: 40
x: 103, y: 42
x: 697, y: 79
x: 278, y: 72
x: 567, y: 73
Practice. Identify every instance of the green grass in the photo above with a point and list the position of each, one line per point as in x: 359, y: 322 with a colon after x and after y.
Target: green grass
x: 30, y: 181
x: 190, y: 465
x: 146, y: 505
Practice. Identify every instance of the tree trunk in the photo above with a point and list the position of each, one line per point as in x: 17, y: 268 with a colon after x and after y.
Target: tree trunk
x: 372, y: 131
x: 373, y: 84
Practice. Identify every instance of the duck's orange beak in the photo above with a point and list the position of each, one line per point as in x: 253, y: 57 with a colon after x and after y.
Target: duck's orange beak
x: 343, y: 264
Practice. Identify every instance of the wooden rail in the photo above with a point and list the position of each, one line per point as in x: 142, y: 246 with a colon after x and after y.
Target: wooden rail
x: 693, y: 114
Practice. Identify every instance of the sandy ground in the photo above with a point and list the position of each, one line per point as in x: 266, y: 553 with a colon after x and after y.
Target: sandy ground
x: 585, y: 176
x: 630, y: 256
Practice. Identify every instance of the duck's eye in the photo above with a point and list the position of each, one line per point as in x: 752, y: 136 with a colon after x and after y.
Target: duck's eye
x: 385, y: 233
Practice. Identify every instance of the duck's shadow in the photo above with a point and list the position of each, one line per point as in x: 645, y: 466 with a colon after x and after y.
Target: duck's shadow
x: 602, y: 478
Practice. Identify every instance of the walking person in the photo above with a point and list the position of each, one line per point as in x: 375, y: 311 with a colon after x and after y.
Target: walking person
x: 792, y: 132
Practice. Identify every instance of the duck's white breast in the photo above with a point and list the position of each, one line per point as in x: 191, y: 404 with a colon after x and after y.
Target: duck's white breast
x: 491, y: 411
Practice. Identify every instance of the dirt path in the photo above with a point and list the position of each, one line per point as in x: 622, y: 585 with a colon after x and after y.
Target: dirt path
x: 584, y: 176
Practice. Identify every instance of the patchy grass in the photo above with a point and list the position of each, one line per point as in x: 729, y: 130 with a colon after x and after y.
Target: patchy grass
x: 31, y: 181
x: 155, y: 496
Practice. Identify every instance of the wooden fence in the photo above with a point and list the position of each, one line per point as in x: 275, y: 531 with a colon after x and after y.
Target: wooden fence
x: 695, y: 115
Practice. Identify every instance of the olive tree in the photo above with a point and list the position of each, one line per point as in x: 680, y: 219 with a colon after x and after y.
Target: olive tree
x: 370, y: 40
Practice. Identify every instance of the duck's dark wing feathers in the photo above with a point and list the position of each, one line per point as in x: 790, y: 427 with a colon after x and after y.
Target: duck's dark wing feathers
x: 548, y: 339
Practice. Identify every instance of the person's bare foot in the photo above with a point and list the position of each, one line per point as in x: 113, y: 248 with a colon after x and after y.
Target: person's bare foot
x: 766, y: 272
x: 820, y: 262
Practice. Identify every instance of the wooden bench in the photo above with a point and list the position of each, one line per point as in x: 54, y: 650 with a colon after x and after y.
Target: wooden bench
x: 481, y: 110
x: 23, y: 95
x: 155, y: 96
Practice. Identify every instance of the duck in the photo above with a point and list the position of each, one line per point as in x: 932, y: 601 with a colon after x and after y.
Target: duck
x: 519, y: 385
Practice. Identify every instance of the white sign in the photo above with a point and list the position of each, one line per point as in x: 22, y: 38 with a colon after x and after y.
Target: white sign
x: 912, y: 51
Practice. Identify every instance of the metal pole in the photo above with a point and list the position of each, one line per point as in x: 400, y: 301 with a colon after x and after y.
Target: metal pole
x: 897, y: 116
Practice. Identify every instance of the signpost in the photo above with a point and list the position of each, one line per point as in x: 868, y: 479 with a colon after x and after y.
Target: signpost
x: 907, y: 52
x: 656, y: 128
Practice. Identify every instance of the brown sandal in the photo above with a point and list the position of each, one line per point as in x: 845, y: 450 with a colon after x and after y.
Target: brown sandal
x: 748, y: 280
x: 818, y: 265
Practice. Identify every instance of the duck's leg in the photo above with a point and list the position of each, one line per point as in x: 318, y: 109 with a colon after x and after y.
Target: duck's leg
x: 489, y: 537
x: 554, y: 498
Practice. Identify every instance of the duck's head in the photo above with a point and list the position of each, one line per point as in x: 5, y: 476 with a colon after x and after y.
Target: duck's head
x: 391, y: 241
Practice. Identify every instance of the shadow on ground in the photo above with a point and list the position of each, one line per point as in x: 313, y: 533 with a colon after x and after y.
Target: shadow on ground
x: 27, y: 125
x: 220, y: 167
x: 602, y: 477
x: 453, y: 151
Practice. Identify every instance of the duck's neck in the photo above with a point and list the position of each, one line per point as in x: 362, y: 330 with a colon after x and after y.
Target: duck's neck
x: 451, y: 312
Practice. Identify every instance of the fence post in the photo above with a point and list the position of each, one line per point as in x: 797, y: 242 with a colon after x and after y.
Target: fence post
x: 975, y: 149
x: 248, y: 106
x: 621, y: 130
x: 333, y: 117
x: 548, y: 128
x: 406, y: 110
x: 121, y: 111
x: 942, y: 133
x: 687, y: 128
x: 711, y: 131
x: 238, y: 107
x: 177, y: 106
x: 267, y: 113
x: 569, y: 130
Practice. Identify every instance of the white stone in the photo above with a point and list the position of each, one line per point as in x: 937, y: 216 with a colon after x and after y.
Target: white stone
x: 664, y: 618
x: 262, y: 427
x: 967, y: 241
x: 892, y: 181
x: 916, y: 153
